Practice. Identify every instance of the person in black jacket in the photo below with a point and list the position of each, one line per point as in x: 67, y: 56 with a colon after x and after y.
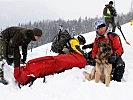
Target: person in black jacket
x: 13, y: 38
x: 109, y: 14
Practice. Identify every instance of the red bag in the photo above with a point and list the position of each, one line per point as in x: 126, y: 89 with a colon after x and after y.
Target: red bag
x: 47, y: 65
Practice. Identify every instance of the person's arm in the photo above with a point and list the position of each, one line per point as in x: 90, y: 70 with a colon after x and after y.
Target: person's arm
x: 17, y: 56
x: 88, y: 46
x: 79, y: 50
x: 24, y: 53
x: 94, y: 49
x: 16, y: 41
x: 117, y: 45
x: 117, y: 49
x: 114, y: 13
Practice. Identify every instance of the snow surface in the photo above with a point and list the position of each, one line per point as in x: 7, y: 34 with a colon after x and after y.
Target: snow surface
x: 71, y: 84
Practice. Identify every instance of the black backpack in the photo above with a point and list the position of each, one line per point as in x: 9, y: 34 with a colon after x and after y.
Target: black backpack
x: 60, y: 41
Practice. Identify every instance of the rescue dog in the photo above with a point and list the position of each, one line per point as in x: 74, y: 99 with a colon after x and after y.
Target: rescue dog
x: 102, y: 69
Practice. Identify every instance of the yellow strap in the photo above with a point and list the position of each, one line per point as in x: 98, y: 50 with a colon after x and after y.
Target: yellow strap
x: 107, y: 16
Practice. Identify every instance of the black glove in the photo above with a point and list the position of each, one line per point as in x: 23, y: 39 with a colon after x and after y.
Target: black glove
x: 91, y: 62
x: 84, y: 46
x: 24, y: 57
x: 113, y: 58
x: 88, y: 46
x: 23, y: 60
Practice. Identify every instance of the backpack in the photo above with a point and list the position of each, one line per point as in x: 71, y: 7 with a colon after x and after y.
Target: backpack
x: 60, y: 41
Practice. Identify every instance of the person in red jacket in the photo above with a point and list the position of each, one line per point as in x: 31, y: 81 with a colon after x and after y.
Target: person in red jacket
x: 102, y: 34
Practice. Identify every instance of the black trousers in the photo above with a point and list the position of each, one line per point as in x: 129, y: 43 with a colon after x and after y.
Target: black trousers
x: 118, y: 69
x: 112, y: 22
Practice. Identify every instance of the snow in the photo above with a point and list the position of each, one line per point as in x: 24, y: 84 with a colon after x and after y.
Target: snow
x: 71, y: 84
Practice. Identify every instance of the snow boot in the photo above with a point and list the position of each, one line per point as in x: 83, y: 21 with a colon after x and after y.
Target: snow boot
x: 2, y: 80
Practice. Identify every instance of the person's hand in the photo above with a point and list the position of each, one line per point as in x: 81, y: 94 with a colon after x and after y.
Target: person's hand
x: 22, y: 61
x: 91, y: 62
x: 113, y: 58
x: 87, y: 46
x: 84, y: 46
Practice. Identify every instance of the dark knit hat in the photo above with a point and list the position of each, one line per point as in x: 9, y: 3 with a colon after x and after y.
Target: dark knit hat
x: 110, y: 2
x: 37, y: 32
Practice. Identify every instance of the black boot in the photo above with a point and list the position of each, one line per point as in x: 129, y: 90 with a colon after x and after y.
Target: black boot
x: 2, y: 80
x: 118, y: 73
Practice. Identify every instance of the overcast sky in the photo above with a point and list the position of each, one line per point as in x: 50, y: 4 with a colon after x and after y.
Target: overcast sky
x: 13, y: 12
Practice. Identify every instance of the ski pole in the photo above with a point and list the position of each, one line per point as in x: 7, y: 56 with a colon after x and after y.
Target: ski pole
x: 119, y: 27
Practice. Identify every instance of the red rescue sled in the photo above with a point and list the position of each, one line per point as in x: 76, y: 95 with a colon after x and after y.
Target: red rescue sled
x: 40, y: 67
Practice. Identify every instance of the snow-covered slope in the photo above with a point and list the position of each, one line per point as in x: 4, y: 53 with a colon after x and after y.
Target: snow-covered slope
x: 71, y: 85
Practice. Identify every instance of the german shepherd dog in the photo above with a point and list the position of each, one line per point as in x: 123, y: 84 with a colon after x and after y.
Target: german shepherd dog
x: 102, y: 70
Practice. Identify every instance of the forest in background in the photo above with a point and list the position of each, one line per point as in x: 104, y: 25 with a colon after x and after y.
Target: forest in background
x: 50, y: 28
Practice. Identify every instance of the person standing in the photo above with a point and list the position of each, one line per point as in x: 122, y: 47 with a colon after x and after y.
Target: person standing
x: 13, y: 38
x: 109, y: 14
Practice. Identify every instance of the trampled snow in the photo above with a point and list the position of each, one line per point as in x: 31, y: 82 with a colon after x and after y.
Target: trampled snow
x: 71, y: 84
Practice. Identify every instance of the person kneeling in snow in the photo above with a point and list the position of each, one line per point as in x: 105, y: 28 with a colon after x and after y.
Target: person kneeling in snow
x: 73, y: 45
x: 115, y: 59
x: 40, y: 67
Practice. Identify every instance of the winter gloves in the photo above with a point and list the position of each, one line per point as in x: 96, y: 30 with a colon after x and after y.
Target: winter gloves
x: 23, y: 60
x: 113, y: 58
x: 91, y: 62
x: 87, y: 46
